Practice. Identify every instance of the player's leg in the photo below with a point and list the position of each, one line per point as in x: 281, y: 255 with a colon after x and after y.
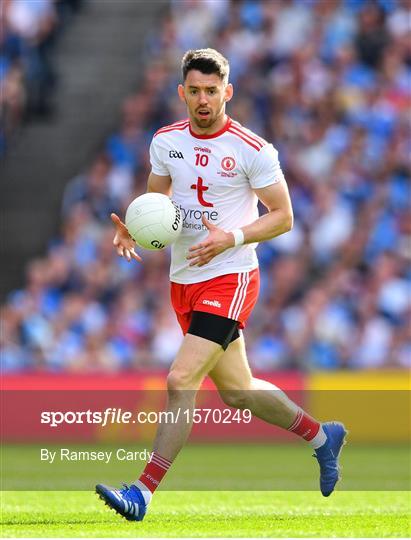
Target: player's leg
x: 238, y: 388
x: 207, y: 338
x: 194, y: 360
x: 208, y: 335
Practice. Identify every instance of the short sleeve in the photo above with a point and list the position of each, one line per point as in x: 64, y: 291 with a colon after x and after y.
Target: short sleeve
x: 157, y: 165
x: 265, y: 169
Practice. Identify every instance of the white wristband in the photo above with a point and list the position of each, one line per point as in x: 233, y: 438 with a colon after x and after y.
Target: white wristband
x: 238, y: 237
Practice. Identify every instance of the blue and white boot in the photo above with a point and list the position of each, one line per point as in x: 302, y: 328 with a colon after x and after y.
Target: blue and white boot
x: 130, y: 502
x: 328, y: 455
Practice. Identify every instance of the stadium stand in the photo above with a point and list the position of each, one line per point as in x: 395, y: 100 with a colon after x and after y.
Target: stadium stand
x: 29, y: 32
x: 328, y: 84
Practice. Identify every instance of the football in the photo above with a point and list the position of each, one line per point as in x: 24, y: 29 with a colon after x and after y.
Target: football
x: 153, y: 221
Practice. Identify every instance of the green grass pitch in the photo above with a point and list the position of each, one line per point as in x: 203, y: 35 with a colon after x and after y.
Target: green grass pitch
x: 211, y: 514
x: 214, y: 491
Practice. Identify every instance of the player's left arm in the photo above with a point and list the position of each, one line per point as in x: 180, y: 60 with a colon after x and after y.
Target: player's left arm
x: 278, y: 220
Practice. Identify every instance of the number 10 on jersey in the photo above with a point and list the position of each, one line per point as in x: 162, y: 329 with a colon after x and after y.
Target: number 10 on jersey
x: 202, y: 159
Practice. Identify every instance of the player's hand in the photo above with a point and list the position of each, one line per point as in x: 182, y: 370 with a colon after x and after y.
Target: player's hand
x: 123, y: 242
x: 216, y: 242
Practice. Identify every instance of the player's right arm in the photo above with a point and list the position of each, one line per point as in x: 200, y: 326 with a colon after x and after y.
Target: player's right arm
x: 122, y: 241
x: 157, y: 183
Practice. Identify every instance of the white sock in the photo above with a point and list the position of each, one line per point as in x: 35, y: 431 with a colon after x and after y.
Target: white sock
x: 144, y: 491
x: 319, y: 439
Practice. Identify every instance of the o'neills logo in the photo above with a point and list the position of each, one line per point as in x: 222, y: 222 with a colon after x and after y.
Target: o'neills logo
x: 214, y: 303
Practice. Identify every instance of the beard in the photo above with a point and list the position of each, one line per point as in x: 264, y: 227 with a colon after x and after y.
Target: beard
x: 204, y: 122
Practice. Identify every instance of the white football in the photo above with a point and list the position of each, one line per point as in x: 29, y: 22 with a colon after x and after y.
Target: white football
x: 153, y: 221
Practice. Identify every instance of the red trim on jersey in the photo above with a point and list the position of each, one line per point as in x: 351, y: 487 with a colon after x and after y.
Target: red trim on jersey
x: 248, y: 133
x: 258, y: 148
x: 163, y: 130
x: 175, y: 124
x: 256, y: 140
x: 166, y: 129
x: 213, y: 135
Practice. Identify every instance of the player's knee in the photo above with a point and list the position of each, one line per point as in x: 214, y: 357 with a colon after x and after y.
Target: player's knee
x: 180, y: 380
x: 238, y: 399
x: 175, y: 381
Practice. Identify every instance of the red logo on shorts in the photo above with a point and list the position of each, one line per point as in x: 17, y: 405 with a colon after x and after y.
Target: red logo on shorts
x: 228, y: 163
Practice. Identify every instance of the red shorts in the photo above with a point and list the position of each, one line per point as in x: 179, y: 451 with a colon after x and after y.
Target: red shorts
x: 233, y: 296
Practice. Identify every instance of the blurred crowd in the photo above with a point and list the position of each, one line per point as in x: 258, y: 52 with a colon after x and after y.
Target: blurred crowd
x: 29, y: 30
x: 328, y: 83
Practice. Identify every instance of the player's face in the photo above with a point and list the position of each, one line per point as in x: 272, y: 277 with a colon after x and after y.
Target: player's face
x: 205, y: 97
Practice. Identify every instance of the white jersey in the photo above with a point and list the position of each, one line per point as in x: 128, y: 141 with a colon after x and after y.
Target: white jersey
x: 213, y: 175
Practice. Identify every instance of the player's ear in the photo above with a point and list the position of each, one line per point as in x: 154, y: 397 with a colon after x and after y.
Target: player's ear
x: 181, y: 94
x: 229, y: 91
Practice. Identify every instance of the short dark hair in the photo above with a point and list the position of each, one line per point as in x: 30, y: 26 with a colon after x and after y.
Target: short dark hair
x: 207, y: 61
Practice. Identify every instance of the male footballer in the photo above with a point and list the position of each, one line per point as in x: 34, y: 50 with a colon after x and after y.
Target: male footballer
x: 217, y: 170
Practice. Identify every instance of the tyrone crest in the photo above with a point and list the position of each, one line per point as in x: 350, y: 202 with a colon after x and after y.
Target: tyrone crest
x: 228, y: 163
